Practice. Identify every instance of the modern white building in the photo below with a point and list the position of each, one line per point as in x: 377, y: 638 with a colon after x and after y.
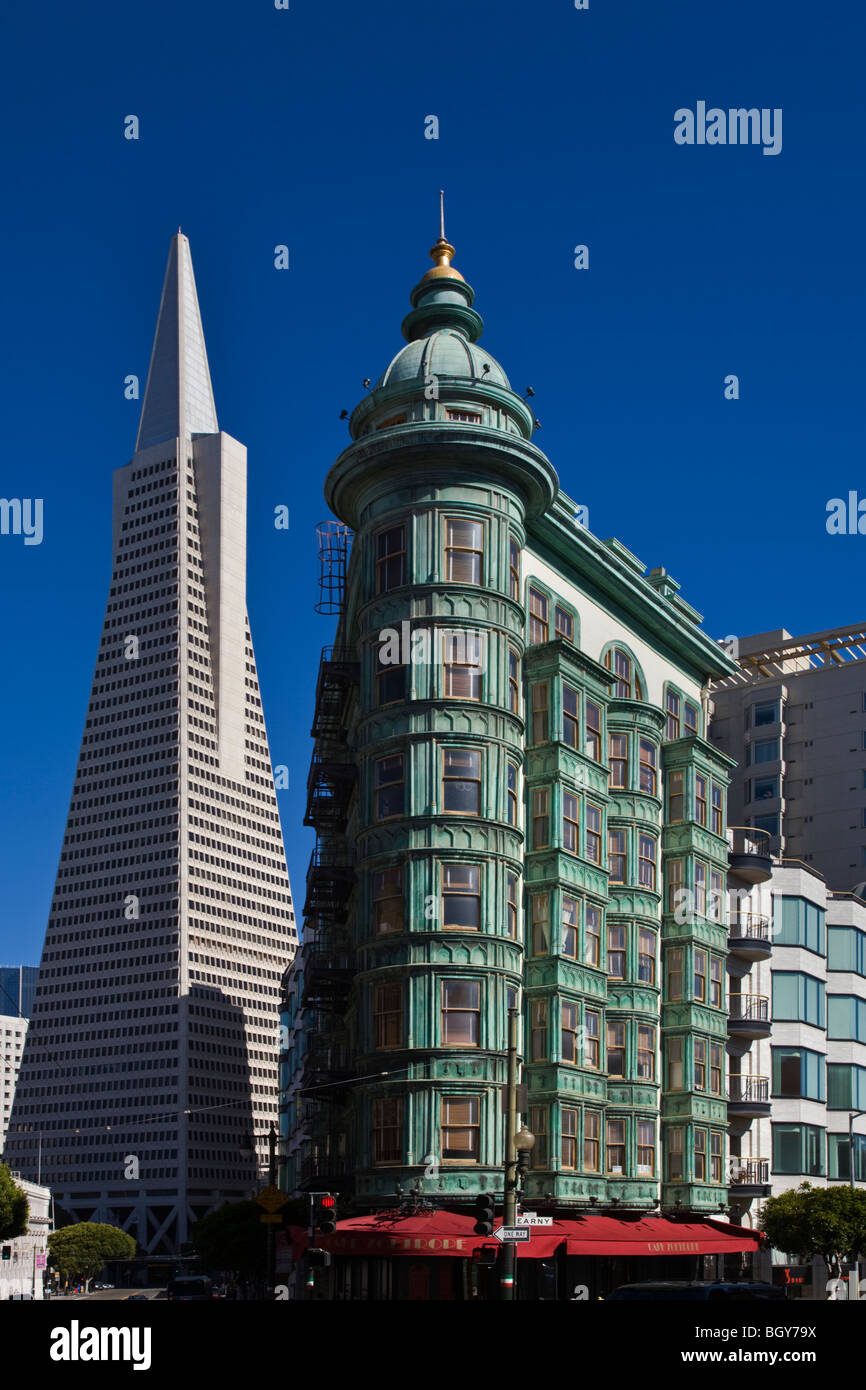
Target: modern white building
x: 13, y: 1031
x: 25, y: 1258
x: 153, y: 1047
x: 795, y: 1094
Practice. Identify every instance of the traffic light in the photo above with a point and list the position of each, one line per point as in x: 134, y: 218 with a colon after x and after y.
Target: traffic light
x: 319, y: 1259
x: 325, y: 1214
x: 486, y: 1254
x: 484, y: 1210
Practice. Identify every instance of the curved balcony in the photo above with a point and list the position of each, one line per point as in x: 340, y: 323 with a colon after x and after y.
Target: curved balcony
x: 749, y: 936
x: 748, y: 1097
x: 749, y: 854
x: 749, y: 1016
x: 750, y: 1177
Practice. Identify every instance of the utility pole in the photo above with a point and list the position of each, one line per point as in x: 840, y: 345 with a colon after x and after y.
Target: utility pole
x: 509, y: 1217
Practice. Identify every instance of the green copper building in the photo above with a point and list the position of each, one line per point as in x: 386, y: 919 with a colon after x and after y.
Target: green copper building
x: 514, y: 797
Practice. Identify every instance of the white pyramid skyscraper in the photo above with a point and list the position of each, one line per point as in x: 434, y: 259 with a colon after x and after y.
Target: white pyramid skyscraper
x: 154, y: 1041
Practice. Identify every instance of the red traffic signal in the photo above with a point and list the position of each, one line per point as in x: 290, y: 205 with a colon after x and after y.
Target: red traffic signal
x: 325, y: 1213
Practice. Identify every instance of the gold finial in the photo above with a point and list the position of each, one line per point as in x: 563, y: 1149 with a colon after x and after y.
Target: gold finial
x: 442, y: 252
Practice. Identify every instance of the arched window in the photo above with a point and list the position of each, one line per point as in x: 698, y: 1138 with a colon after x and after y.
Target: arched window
x: 629, y: 681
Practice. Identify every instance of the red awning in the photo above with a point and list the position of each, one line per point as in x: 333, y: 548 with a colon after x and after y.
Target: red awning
x: 655, y: 1235
x: 383, y: 1233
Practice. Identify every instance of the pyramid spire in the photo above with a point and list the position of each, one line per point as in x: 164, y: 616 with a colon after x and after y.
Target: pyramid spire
x: 178, y: 397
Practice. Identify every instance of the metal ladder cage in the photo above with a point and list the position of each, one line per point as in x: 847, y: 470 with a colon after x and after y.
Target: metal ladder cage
x: 334, y: 539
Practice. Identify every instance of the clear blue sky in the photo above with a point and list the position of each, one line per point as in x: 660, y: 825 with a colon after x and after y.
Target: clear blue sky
x: 306, y: 127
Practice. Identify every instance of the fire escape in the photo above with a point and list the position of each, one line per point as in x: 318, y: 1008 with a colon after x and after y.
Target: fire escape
x: 328, y: 955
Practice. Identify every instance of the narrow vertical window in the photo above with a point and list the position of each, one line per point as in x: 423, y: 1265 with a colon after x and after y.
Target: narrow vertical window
x: 388, y: 901
x: 593, y: 731
x: 514, y: 569
x: 390, y: 559
x: 593, y: 833
x: 540, y: 818
x: 592, y: 936
x: 569, y: 716
x: 700, y: 990
x: 513, y: 682
x: 615, y: 951
x: 563, y: 623
x: 569, y: 1138
x: 646, y: 867
x: 591, y: 1141
x: 674, y: 1048
x: 615, y: 1146
x: 717, y: 810
x: 570, y: 823
x: 672, y: 711
x: 591, y: 1038
x: 716, y: 982
x: 648, y: 778
x: 616, y: 855
x: 569, y: 1048
x: 615, y: 1049
x: 646, y: 1052
x: 464, y: 549
x: 387, y: 1130
x: 646, y: 960
x: 691, y: 718
x: 675, y: 869
x: 646, y: 1148
x: 388, y: 1015
x: 538, y: 1125
x: 700, y: 1155
x: 569, y: 927
x: 700, y: 888
x: 714, y: 905
x: 618, y: 759
x: 540, y: 713
x: 716, y: 1068
x: 538, y: 1030
x: 675, y: 972
x: 700, y: 1049
x: 539, y: 616
x: 700, y: 799
x: 511, y: 777
x: 540, y: 909
x: 675, y: 1155
x: 389, y: 787
x: 715, y: 1156
x: 511, y: 889
x: 675, y: 795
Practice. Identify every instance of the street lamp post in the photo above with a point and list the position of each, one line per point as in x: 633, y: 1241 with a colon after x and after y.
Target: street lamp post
x: 247, y: 1151
x: 516, y: 1143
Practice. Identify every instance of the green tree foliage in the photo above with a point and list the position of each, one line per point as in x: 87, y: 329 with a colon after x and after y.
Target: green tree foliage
x: 81, y: 1251
x: 14, y: 1208
x: 826, y: 1221
x: 233, y: 1237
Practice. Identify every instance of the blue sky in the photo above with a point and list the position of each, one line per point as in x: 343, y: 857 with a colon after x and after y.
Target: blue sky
x: 306, y: 127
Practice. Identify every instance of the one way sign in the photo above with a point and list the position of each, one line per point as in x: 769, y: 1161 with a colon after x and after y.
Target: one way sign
x: 510, y: 1235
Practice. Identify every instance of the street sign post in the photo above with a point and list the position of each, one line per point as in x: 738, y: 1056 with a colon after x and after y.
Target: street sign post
x: 528, y: 1218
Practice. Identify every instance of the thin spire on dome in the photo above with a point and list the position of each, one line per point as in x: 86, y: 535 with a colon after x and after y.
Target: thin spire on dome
x: 441, y: 214
x: 442, y: 253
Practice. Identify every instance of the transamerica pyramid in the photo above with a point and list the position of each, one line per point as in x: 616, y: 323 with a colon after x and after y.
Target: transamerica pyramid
x: 153, y: 1045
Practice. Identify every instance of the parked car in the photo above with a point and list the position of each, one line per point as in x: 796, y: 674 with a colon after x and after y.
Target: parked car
x: 696, y: 1290
x: 191, y: 1288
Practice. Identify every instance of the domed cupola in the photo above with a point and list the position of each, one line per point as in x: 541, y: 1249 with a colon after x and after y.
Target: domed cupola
x: 442, y: 374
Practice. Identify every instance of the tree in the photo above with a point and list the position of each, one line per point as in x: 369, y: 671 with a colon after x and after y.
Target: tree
x: 826, y: 1221
x: 14, y: 1207
x: 81, y: 1251
x: 233, y: 1237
